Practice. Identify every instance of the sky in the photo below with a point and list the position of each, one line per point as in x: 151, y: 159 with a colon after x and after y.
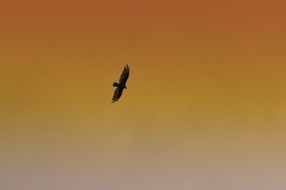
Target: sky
x: 204, y: 109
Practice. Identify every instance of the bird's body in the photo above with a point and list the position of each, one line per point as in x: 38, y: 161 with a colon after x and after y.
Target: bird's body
x: 115, y: 84
x: 121, y: 85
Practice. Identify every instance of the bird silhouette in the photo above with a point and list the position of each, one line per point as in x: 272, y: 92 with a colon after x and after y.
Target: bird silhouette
x: 121, y: 85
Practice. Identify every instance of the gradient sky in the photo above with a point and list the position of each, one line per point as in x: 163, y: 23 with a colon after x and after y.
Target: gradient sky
x: 205, y: 107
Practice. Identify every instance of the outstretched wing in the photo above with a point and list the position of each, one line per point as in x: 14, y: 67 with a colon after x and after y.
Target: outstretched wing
x: 124, y: 75
x: 117, y: 94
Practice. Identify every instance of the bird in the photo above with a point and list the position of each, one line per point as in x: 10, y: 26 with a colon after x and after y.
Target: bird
x: 121, y: 85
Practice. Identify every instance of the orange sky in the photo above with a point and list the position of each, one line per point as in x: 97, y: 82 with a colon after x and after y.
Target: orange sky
x: 204, y: 110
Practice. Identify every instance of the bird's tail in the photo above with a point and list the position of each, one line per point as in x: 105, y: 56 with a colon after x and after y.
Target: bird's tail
x: 115, y: 84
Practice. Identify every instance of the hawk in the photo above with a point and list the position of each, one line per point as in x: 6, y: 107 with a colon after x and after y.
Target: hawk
x: 121, y: 85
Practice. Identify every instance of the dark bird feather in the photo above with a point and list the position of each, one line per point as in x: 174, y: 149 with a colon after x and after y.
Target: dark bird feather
x: 121, y: 85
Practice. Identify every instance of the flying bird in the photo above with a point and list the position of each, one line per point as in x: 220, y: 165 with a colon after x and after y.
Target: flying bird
x: 121, y: 85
